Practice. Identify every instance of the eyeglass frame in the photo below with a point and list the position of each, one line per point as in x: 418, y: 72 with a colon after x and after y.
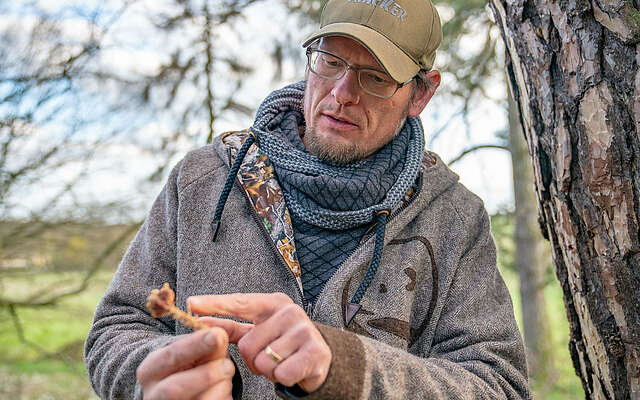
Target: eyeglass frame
x: 348, y: 67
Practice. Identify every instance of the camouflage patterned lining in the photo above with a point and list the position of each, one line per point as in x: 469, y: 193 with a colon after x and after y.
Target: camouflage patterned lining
x: 256, y: 175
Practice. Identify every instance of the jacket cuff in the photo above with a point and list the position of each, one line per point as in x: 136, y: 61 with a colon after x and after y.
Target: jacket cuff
x: 346, y: 373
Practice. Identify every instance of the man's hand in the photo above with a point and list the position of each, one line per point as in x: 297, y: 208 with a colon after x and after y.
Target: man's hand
x: 193, y: 367
x: 278, y: 323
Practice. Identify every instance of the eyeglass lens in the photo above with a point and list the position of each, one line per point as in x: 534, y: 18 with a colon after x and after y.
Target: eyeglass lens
x: 332, y: 67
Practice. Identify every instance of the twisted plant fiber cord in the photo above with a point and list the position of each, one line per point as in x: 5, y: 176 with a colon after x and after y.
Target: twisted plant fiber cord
x: 280, y: 152
x: 228, y: 184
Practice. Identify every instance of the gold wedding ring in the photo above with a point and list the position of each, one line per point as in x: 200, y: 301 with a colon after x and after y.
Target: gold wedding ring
x: 273, y: 355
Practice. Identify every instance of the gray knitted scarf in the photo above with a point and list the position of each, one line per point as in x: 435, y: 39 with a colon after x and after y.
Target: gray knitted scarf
x: 333, y: 196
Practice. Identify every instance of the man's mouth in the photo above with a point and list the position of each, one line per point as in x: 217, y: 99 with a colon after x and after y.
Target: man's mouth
x: 339, y: 119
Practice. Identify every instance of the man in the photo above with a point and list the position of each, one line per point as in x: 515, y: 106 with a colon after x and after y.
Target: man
x: 346, y: 262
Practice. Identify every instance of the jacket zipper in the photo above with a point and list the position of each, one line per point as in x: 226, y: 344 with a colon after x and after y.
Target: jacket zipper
x: 411, y: 199
x: 305, y: 303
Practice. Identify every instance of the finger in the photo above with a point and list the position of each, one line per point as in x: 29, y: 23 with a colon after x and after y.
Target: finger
x: 184, y: 353
x: 266, y: 365
x: 221, y: 390
x: 291, y: 341
x: 308, y: 367
x: 235, y: 330
x: 219, y: 341
x: 253, y: 343
x: 192, y: 382
x: 292, y: 370
x: 254, y: 307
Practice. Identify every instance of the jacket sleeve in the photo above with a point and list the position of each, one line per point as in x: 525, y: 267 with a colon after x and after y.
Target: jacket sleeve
x: 476, y: 351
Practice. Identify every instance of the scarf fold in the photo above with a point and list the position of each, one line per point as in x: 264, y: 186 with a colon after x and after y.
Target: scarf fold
x: 330, y: 196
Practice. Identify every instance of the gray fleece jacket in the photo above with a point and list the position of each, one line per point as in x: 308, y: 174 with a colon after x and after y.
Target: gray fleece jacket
x: 436, y: 323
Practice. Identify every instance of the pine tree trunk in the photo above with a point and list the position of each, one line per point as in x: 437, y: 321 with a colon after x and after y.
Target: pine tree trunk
x: 573, y: 70
x: 529, y: 261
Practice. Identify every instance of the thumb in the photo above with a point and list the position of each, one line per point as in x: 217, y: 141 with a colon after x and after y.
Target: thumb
x: 218, y: 340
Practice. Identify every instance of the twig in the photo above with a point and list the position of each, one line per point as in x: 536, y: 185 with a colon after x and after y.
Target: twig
x: 208, y: 68
x: 20, y: 331
x: 474, y: 148
x: 162, y: 302
x: 436, y: 134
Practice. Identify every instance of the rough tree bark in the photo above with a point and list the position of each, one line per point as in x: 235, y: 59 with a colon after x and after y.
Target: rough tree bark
x: 573, y: 70
x: 528, y: 258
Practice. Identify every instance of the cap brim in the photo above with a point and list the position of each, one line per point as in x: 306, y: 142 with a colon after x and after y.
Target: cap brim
x: 395, y: 61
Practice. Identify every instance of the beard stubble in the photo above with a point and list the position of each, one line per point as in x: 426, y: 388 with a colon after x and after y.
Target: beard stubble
x: 343, y: 153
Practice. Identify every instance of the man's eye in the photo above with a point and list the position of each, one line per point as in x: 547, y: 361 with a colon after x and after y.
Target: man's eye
x: 376, y: 78
x: 331, y: 62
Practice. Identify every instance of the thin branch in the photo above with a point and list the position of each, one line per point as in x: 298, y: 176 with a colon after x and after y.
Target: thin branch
x: 434, y: 136
x: 474, y: 148
x: 208, y: 69
x: 20, y: 332
x: 23, y: 339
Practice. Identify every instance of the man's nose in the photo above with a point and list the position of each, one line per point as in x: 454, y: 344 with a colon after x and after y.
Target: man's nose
x: 346, y: 90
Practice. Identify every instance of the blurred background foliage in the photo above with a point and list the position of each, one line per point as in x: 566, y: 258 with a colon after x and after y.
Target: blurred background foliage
x: 110, y: 94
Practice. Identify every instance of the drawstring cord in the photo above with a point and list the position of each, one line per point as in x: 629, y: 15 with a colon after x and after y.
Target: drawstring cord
x: 228, y: 184
x: 354, y: 306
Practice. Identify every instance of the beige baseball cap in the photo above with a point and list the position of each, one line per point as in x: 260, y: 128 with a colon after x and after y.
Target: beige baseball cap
x: 403, y: 35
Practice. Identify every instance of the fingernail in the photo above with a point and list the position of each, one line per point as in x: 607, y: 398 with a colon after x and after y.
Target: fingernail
x: 193, y: 301
x: 210, y: 339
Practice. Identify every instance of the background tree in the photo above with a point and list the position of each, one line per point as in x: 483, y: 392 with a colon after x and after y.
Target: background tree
x: 530, y: 258
x: 574, y: 71
x: 47, y: 86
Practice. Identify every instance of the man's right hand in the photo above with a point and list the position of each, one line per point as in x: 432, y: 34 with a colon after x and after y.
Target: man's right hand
x: 193, y: 367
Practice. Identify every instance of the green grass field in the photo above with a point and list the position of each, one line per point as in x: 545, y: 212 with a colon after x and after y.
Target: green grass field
x: 56, y: 371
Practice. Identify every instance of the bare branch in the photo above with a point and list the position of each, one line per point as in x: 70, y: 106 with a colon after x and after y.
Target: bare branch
x: 435, y: 135
x: 475, y: 148
x: 20, y: 331
x: 208, y: 69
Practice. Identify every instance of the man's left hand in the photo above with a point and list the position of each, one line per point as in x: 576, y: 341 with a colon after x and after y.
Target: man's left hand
x: 298, y: 352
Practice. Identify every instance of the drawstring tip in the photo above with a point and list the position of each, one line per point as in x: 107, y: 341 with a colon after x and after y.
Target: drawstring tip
x: 351, y: 309
x: 215, y: 226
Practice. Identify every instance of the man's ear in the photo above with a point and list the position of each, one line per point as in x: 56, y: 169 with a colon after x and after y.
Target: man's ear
x: 422, y: 96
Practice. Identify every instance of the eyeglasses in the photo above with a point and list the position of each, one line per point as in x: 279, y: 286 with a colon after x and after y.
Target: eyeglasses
x: 372, y: 81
